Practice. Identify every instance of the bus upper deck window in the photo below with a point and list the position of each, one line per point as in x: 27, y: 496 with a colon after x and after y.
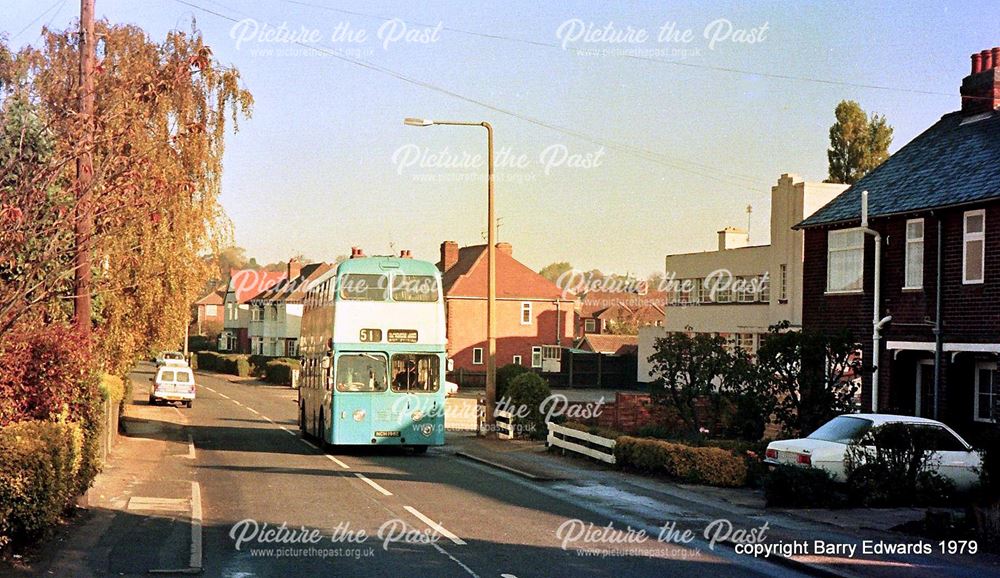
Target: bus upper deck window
x: 422, y: 288
x: 364, y: 287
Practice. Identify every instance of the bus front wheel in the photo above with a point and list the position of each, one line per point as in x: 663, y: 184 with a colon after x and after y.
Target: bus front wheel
x: 419, y: 449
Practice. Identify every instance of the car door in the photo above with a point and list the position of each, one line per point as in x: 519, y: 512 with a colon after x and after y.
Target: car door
x: 951, y: 457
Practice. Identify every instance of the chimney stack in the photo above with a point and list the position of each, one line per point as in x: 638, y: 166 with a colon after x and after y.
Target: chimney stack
x: 505, y: 248
x: 405, y: 254
x: 981, y: 89
x: 733, y: 238
x: 449, y: 255
x: 294, y: 270
x: 357, y: 253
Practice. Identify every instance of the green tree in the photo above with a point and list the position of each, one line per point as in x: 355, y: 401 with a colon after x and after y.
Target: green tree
x: 552, y: 271
x: 813, y: 374
x: 689, y: 369
x: 858, y: 143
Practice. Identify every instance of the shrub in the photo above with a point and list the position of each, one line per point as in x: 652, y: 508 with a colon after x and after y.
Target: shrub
x: 890, y: 466
x: 258, y: 364
x: 525, y: 394
x: 40, y: 468
x: 596, y: 430
x: 234, y: 364
x: 698, y: 465
x: 280, y: 370
x: 506, y: 374
x: 799, y: 487
x: 208, y: 360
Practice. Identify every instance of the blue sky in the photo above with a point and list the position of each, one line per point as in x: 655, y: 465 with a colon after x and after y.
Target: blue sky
x: 326, y: 163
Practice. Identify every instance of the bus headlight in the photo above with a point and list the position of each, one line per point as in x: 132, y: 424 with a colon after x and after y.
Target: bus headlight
x: 427, y: 429
x: 417, y: 415
x: 359, y: 415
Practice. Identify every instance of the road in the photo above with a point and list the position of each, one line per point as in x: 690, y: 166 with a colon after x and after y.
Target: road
x: 237, y: 466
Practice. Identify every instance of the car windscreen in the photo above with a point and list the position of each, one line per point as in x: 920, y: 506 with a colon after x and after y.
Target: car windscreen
x: 842, y: 430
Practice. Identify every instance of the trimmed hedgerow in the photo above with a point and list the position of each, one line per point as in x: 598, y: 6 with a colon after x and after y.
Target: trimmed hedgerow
x: 40, y: 472
x: 797, y: 487
x: 697, y: 465
x: 280, y: 370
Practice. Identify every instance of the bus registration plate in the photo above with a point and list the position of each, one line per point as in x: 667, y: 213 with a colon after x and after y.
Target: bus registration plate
x: 387, y: 434
x: 402, y: 336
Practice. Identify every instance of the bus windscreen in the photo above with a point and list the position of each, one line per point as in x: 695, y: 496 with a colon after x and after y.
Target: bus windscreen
x: 415, y: 372
x: 361, y: 372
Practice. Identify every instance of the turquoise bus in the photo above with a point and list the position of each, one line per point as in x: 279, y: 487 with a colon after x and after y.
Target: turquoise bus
x: 373, y: 354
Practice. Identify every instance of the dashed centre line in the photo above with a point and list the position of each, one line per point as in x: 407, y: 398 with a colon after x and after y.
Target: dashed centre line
x: 338, y: 462
x: 375, y: 485
x: 434, y: 525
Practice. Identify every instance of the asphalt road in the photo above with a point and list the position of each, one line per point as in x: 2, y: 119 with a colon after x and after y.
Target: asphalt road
x: 370, y: 512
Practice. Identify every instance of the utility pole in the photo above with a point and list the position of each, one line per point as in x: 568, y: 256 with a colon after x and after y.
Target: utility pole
x: 84, y: 226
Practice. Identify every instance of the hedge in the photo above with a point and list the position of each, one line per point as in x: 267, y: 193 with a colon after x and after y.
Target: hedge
x: 234, y: 364
x: 40, y: 469
x: 280, y: 370
x: 797, y: 487
x: 698, y: 465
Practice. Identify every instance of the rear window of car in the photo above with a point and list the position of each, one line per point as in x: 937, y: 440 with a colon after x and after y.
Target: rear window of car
x: 166, y: 376
x: 842, y: 430
x: 183, y: 377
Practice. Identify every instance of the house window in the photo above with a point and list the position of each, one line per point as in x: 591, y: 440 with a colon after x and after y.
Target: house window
x: 211, y: 310
x: 745, y: 287
x: 845, y: 260
x: 256, y: 312
x: 914, y: 254
x: 589, y: 325
x: 745, y: 342
x: 272, y: 313
x: 517, y: 360
x: 783, y: 282
x: 536, y: 356
x: 764, y: 289
x: 552, y: 352
x: 229, y: 312
x: 973, y: 246
x: 695, y: 290
x: 723, y: 291
x: 292, y: 347
x: 477, y: 356
x: 526, y: 313
x: 986, y: 391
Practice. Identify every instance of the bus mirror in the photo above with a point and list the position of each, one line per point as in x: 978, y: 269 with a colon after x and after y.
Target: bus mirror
x: 326, y: 362
x: 450, y: 364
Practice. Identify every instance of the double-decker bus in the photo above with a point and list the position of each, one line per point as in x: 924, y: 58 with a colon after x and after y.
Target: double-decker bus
x: 373, y: 354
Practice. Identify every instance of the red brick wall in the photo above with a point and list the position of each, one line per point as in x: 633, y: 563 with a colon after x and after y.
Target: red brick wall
x: 467, y: 330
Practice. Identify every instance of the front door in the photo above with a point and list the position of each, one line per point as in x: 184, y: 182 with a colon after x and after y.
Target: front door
x: 924, y: 402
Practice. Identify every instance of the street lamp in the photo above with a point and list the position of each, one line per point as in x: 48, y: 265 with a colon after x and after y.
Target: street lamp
x: 491, y: 291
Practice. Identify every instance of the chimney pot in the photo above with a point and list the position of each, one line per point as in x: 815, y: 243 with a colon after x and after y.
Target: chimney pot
x: 987, y: 60
x: 294, y: 270
x: 977, y: 63
x: 996, y: 56
x: 449, y: 255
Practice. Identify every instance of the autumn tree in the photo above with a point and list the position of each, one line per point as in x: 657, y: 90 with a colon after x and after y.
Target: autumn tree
x: 553, y: 271
x: 162, y: 110
x: 858, y: 143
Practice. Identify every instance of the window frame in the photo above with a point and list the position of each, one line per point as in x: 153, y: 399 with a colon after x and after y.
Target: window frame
x: 991, y: 367
x: 477, y: 351
x: 907, y: 244
x: 590, y: 325
x: 859, y: 249
x: 526, y: 307
x: 536, y: 352
x: 517, y: 360
x: 783, y: 282
x: 385, y: 374
x: 968, y: 237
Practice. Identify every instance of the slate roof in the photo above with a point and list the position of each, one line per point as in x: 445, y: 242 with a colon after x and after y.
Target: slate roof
x: 954, y: 162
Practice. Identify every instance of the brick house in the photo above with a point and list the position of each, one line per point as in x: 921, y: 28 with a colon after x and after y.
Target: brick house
x: 936, y: 205
x: 534, y: 317
x: 276, y: 314
x: 601, y: 311
x: 208, y: 313
x: 243, y: 285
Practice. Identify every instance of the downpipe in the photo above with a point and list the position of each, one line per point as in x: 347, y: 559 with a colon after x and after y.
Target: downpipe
x: 878, y: 322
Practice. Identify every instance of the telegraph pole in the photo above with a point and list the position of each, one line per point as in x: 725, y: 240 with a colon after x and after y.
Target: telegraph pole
x: 84, y: 226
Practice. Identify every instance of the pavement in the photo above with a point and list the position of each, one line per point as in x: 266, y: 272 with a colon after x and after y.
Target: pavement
x: 230, y: 488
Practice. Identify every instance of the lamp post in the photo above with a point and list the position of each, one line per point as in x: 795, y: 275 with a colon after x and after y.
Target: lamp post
x: 491, y: 290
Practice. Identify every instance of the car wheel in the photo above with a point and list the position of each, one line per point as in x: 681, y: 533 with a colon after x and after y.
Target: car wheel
x: 322, y: 429
x: 152, y: 400
x: 420, y: 449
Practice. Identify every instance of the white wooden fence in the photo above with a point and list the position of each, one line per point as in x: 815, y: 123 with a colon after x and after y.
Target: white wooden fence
x: 581, y: 442
x: 505, y: 424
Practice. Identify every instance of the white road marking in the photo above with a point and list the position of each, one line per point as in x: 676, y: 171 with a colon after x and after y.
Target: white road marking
x: 304, y: 440
x: 190, y: 454
x: 435, y: 526
x: 208, y: 388
x: 457, y: 561
x: 252, y: 410
x: 338, y: 462
x: 267, y: 418
x: 224, y: 396
x: 380, y: 489
x: 288, y: 431
x: 196, y: 522
x: 237, y: 402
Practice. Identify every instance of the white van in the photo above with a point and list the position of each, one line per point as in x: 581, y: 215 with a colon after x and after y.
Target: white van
x: 172, y: 383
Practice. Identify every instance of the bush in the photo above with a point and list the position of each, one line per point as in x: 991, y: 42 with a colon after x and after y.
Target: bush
x: 800, y: 487
x: 506, y: 374
x: 280, y: 370
x: 525, y: 394
x: 208, y: 360
x: 258, y: 364
x: 201, y: 343
x: 698, y: 465
x: 596, y: 430
x: 40, y: 469
x: 234, y: 364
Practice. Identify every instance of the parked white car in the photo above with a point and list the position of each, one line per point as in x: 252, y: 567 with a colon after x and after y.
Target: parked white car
x: 172, y: 383
x: 450, y: 388
x: 826, y: 448
x: 171, y: 358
